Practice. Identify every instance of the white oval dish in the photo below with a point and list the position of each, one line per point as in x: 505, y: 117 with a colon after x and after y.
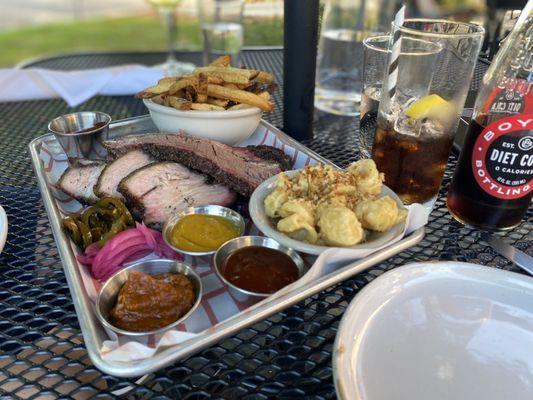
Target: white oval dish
x: 3, y: 228
x: 268, y: 226
x: 439, y: 331
x: 229, y: 127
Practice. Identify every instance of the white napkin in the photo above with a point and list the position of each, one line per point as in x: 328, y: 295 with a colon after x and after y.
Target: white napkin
x: 75, y: 87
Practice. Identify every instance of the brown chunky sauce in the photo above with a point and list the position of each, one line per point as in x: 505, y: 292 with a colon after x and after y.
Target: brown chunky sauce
x: 260, y: 269
x: 149, y: 302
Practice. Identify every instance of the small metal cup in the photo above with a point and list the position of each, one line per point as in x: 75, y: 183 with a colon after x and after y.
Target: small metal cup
x: 246, y: 241
x: 82, y: 145
x: 107, y: 298
x: 232, y: 216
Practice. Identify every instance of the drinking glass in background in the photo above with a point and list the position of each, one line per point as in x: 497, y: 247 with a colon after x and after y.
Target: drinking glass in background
x: 415, y: 128
x: 167, y: 12
x: 345, y: 24
x: 222, y: 29
x: 375, y: 53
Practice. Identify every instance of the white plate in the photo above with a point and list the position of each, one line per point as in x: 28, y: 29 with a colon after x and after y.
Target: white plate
x: 268, y: 226
x: 439, y: 331
x: 3, y: 228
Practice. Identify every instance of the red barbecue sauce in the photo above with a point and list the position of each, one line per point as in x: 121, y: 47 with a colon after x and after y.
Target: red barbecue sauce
x: 259, y: 269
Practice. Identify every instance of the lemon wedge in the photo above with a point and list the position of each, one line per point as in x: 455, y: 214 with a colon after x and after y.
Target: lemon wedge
x: 432, y: 106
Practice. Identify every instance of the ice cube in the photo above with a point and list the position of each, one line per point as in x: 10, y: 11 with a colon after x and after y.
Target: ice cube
x: 432, y: 128
x: 406, y: 125
x: 373, y: 92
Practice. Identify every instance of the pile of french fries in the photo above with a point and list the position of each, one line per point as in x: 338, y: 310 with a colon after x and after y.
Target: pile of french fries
x: 217, y: 87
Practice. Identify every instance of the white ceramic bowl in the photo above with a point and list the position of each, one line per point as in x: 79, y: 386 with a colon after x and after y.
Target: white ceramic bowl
x: 230, y: 127
x: 268, y: 225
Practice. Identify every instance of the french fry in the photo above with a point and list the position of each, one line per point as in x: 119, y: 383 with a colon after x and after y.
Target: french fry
x: 238, y: 96
x: 216, y: 80
x: 242, y: 106
x: 180, y: 93
x: 218, y: 86
x: 253, y: 87
x: 191, y: 80
x: 227, y: 76
x: 249, y: 74
x: 182, y: 84
x: 206, y: 107
x: 231, y: 86
x: 265, y: 95
x: 239, y: 107
x: 264, y: 77
x: 222, y: 61
x: 217, y: 102
x: 201, y: 88
x: 162, y: 87
x: 158, y: 100
x: 168, y: 79
x: 178, y: 103
x: 190, y: 93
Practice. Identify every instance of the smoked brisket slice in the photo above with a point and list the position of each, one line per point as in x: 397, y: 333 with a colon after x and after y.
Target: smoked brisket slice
x: 272, y: 154
x: 159, y: 190
x: 117, y: 170
x: 78, y: 181
x: 239, y: 168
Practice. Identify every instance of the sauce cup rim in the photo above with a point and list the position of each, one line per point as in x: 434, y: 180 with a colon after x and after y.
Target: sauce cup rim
x: 173, y: 220
x: 293, y: 254
x: 107, y: 121
x: 197, y: 281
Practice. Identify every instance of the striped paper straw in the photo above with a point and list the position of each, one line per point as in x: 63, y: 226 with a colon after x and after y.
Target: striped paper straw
x: 395, y: 52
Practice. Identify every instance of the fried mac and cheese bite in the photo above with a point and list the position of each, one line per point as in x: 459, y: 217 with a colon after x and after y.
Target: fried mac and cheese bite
x: 332, y: 207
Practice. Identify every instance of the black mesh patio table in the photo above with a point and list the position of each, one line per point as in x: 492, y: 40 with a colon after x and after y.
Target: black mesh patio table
x: 286, y: 356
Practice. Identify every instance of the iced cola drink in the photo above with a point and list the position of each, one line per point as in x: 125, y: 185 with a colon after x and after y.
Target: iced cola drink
x: 423, y: 92
x: 413, y: 155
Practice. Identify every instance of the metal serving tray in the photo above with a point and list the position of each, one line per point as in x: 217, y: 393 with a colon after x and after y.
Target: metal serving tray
x: 94, y: 334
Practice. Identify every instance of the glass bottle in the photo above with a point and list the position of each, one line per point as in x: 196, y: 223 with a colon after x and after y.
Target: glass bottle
x: 493, y: 182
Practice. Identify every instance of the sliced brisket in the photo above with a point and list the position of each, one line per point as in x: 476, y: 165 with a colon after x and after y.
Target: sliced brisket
x: 79, y: 180
x: 272, y: 154
x: 241, y: 169
x: 117, y: 170
x: 160, y: 190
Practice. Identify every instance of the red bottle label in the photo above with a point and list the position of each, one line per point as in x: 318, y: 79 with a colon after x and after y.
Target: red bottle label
x: 502, y: 158
x: 512, y: 96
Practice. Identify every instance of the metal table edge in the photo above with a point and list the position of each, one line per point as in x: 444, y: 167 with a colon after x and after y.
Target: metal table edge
x: 65, y: 251
x: 27, y: 63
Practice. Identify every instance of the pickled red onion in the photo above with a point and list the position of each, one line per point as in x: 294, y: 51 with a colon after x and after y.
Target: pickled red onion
x: 126, y: 246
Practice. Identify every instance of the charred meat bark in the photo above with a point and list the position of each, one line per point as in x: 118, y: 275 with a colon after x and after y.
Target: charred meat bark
x: 240, y: 168
x: 272, y: 154
x: 160, y: 190
x: 79, y: 180
x: 117, y: 170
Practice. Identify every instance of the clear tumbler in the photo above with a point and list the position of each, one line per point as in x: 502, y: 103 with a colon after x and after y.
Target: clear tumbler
x: 417, y: 121
x: 345, y: 24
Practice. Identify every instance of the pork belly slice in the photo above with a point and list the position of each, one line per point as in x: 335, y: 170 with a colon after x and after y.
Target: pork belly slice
x: 160, y: 190
x: 78, y: 181
x: 240, y: 168
x: 117, y: 170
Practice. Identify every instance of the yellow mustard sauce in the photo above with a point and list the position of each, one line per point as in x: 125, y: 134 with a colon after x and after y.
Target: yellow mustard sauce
x: 201, y: 232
